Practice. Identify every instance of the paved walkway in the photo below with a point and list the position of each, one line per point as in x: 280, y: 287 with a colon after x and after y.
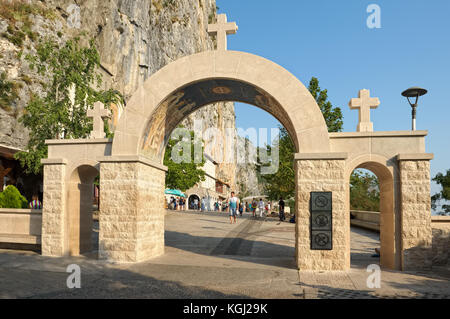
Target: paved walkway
x: 207, y: 257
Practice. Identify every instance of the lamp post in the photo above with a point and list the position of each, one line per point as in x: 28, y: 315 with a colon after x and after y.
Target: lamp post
x: 414, y: 92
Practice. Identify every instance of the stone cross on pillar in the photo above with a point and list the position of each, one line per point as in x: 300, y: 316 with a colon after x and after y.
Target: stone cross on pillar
x: 97, y: 114
x: 364, y: 103
x: 222, y: 28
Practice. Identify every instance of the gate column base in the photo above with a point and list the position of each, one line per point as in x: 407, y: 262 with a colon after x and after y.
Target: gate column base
x: 131, y: 209
x: 322, y: 173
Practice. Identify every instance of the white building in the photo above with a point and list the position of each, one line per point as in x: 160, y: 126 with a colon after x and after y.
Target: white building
x: 211, y: 189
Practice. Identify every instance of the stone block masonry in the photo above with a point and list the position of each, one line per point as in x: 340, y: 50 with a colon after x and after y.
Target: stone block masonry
x: 415, y: 214
x: 441, y: 240
x: 132, y: 212
x: 322, y: 176
x: 53, y: 213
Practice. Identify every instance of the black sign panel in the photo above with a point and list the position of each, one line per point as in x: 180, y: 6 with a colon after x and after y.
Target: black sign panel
x: 321, y: 240
x: 321, y: 221
x: 321, y: 201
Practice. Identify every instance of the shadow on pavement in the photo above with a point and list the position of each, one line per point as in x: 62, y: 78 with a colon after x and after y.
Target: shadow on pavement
x: 37, y: 277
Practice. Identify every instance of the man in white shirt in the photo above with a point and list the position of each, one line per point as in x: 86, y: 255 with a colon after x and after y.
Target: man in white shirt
x: 196, y: 204
x: 261, y: 207
x: 233, y: 204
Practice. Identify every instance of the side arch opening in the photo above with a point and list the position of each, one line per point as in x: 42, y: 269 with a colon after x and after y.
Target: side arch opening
x: 378, y: 182
x: 80, y: 201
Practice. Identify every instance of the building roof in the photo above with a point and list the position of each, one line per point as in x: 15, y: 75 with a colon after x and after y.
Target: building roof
x: 210, y: 158
x: 8, y: 151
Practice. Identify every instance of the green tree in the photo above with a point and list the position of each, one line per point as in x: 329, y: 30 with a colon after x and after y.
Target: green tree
x: 8, y: 92
x: 11, y: 198
x: 333, y: 115
x: 282, y: 183
x: 444, y: 194
x: 364, y: 192
x: 186, y: 174
x: 51, y: 114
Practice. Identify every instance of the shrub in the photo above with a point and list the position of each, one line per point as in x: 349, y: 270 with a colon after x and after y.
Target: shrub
x: 8, y: 92
x: 11, y: 198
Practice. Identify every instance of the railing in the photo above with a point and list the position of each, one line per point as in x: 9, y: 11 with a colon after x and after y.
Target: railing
x: 20, y: 226
x: 440, y: 219
x: 441, y: 240
x: 363, y: 219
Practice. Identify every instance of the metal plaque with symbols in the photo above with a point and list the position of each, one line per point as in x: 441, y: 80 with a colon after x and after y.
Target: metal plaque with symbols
x: 321, y: 221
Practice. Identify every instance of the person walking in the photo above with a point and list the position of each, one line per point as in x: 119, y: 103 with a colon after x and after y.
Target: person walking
x: 254, y: 206
x: 281, y: 208
x: 181, y: 203
x: 241, y: 208
x: 196, y: 204
x: 203, y: 204
x: 261, y: 207
x: 233, y: 204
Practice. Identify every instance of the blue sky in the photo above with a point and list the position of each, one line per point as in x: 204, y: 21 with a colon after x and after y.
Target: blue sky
x: 331, y: 41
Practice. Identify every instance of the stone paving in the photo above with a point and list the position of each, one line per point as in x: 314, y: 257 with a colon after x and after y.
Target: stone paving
x: 207, y: 257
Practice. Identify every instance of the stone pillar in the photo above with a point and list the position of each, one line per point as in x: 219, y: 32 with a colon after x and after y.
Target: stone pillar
x: 322, y: 173
x: 415, y: 211
x: 131, y: 210
x: 54, y: 208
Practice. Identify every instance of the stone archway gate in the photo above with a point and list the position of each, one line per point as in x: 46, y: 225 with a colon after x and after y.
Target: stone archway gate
x: 132, y: 175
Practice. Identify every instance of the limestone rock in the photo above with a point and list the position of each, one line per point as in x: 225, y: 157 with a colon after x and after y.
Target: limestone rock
x: 135, y: 38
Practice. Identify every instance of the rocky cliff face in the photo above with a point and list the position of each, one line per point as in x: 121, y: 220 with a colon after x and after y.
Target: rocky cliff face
x: 135, y: 38
x: 248, y: 182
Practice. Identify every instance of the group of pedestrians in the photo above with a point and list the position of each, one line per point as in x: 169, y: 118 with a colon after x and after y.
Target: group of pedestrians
x: 258, y: 207
x: 233, y: 206
x: 255, y: 207
x: 177, y: 203
x: 261, y: 208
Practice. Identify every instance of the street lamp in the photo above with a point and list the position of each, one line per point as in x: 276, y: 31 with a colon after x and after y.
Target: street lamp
x: 414, y: 92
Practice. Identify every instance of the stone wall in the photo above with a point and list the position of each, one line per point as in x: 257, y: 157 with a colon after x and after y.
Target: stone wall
x: 132, y: 212
x: 322, y: 176
x: 53, y: 213
x: 415, y: 214
x: 367, y: 220
x: 441, y: 241
x: 20, y: 226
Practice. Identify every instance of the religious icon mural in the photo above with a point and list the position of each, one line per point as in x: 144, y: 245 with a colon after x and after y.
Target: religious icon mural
x: 192, y: 97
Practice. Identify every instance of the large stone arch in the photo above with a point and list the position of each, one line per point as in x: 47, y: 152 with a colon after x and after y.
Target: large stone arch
x: 132, y: 177
x: 155, y: 110
x: 167, y: 98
